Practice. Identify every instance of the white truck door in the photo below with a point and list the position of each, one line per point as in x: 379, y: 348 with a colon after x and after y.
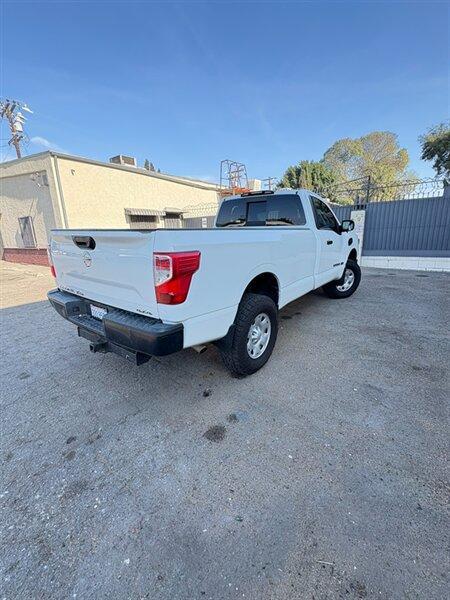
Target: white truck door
x: 329, y: 262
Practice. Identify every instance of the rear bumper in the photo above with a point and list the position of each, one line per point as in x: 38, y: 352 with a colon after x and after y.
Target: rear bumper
x: 132, y: 336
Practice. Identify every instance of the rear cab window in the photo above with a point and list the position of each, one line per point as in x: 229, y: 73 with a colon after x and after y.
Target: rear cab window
x: 256, y: 214
x: 264, y: 210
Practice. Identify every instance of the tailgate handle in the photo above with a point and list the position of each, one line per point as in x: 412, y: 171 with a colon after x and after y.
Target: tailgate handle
x: 84, y: 241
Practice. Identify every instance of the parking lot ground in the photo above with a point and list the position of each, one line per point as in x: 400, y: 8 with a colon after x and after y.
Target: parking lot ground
x: 23, y: 284
x: 324, y: 475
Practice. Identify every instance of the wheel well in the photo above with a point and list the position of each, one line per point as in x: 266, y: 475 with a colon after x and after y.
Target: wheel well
x: 265, y: 284
x: 353, y: 255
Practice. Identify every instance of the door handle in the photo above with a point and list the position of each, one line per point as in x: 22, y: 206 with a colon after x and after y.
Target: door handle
x: 329, y: 242
x: 84, y: 242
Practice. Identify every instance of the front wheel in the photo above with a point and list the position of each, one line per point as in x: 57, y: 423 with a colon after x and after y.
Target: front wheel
x: 347, y: 284
x: 253, y: 337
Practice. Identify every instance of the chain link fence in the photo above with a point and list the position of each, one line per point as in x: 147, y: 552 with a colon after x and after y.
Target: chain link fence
x: 364, y: 191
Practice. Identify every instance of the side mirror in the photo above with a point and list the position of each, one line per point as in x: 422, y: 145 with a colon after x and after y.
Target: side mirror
x: 348, y: 225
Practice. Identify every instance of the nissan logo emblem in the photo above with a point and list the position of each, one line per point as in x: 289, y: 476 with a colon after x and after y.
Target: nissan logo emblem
x: 87, y: 259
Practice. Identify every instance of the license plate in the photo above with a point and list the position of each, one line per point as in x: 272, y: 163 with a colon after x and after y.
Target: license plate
x: 97, y: 312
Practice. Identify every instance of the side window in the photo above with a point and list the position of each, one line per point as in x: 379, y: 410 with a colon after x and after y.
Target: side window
x: 256, y: 213
x: 285, y: 210
x: 323, y: 215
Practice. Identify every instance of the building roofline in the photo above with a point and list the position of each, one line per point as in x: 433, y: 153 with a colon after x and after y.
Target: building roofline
x: 198, y: 183
x: 25, y: 158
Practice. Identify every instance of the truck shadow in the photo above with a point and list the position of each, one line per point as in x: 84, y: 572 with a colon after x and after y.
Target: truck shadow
x: 46, y: 364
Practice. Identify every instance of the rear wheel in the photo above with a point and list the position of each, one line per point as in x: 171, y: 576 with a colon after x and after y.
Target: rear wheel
x: 253, y: 336
x: 347, y: 284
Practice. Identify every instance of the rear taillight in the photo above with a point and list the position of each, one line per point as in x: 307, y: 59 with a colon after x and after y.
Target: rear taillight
x: 173, y: 273
x: 50, y: 262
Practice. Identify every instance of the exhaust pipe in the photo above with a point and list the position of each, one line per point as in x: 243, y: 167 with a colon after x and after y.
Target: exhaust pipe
x: 200, y: 348
x: 98, y: 347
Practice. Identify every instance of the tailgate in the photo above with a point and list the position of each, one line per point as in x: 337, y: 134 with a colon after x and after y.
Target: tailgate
x: 112, y: 267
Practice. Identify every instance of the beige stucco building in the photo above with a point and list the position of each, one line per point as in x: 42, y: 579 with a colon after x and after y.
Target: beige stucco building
x: 50, y: 189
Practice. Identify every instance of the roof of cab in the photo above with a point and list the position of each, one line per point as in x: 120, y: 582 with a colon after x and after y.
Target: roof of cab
x: 263, y: 193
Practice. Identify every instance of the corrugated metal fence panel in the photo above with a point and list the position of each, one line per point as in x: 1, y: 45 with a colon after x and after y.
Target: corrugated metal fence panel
x: 418, y: 227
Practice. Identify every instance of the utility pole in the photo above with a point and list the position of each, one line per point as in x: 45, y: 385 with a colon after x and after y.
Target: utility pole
x: 369, y: 181
x: 11, y: 110
x: 269, y: 182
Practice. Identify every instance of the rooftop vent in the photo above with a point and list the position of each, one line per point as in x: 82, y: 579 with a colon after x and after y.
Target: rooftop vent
x: 121, y: 159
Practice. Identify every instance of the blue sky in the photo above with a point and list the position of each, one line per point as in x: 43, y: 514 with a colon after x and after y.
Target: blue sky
x: 187, y: 84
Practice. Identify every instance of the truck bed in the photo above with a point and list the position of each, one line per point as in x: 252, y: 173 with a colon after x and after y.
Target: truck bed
x: 118, y: 271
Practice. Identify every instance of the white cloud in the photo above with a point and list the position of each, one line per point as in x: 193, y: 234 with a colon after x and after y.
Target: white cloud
x: 44, y: 142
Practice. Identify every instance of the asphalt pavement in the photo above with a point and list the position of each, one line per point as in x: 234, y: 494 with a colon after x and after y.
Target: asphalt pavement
x: 322, y: 476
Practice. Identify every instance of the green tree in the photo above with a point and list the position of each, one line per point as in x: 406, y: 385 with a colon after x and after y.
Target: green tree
x: 436, y: 147
x: 376, y: 154
x: 149, y: 165
x: 308, y: 174
x: 373, y: 166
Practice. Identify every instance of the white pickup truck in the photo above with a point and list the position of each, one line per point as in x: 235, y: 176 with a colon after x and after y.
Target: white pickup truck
x: 155, y: 292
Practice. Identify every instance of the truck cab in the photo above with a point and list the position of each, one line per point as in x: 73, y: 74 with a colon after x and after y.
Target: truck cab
x: 294, y: 208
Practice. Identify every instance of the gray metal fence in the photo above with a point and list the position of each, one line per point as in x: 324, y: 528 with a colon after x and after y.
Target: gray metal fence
x: 416, y: 227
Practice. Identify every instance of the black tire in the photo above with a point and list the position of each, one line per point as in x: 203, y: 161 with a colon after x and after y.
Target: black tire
x: 331, y: 289
x: 234, y: 350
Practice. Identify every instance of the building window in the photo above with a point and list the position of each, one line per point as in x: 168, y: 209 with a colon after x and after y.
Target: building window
x: 143, y: 221
x: 172, y: 220
x: 27, y: 232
